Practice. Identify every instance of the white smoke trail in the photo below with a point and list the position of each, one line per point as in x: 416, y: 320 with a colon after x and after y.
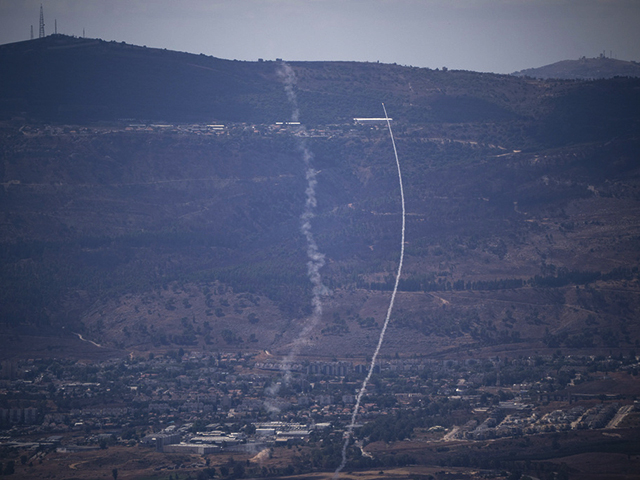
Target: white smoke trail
x: 288, y: 76
x: 354, y: 415
x: 316, y: 259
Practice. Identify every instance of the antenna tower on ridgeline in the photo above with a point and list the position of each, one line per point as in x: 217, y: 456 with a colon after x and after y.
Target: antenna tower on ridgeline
x: 31, y: 32
x: 41, y: 34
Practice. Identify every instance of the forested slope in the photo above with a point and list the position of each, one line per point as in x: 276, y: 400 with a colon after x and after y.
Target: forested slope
x: 522, y: 200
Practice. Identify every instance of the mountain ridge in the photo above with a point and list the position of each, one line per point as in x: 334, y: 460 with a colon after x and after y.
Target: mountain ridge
x: 142, y: 235
x: 44, y: 73
x: 584, y: 69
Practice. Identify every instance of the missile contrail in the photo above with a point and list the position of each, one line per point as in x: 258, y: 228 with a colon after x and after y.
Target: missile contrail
x: 354, y: 415
x: 316, y: 259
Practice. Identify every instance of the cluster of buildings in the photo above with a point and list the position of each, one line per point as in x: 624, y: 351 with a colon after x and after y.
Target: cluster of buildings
x: 214, y: 438
x: 18, y: 416
x: 335, y: 369
x: 209, y: 129
x: 521, y: 419
x: 161, y: 398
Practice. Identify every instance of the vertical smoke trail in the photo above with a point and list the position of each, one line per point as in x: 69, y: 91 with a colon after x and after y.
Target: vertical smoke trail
x: 386, y: 321
x: 316, y: 259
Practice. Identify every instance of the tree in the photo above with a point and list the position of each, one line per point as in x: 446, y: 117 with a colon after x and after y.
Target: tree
x: 9, y: 469
x: 210, y: 472
x: 114, y: 472
x: 238, y: 470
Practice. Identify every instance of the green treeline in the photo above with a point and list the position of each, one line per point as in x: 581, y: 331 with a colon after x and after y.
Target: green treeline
x: 427, y: 283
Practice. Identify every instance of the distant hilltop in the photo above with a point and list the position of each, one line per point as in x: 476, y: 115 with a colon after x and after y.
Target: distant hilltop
x: 584, y: 69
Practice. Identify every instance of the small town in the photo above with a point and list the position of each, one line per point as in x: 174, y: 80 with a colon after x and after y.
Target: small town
x: 246, y: 403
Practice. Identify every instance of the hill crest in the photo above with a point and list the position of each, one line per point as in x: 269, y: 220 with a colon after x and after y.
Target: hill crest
x: 584, y: 69
x: 522, y: 197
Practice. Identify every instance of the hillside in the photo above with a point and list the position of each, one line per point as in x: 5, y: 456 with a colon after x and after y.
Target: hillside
x: 584, y: 69
x: 128, y: 221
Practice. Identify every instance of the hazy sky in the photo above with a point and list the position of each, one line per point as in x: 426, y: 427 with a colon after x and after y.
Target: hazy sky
x: 483, y: 35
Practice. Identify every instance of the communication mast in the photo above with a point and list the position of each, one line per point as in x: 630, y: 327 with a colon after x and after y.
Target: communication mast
x: 31, y: 32
x: 41, y: 34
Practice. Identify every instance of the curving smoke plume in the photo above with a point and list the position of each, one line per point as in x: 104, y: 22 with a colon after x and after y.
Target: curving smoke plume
x: 316, y: 259
x: 354, y: 415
